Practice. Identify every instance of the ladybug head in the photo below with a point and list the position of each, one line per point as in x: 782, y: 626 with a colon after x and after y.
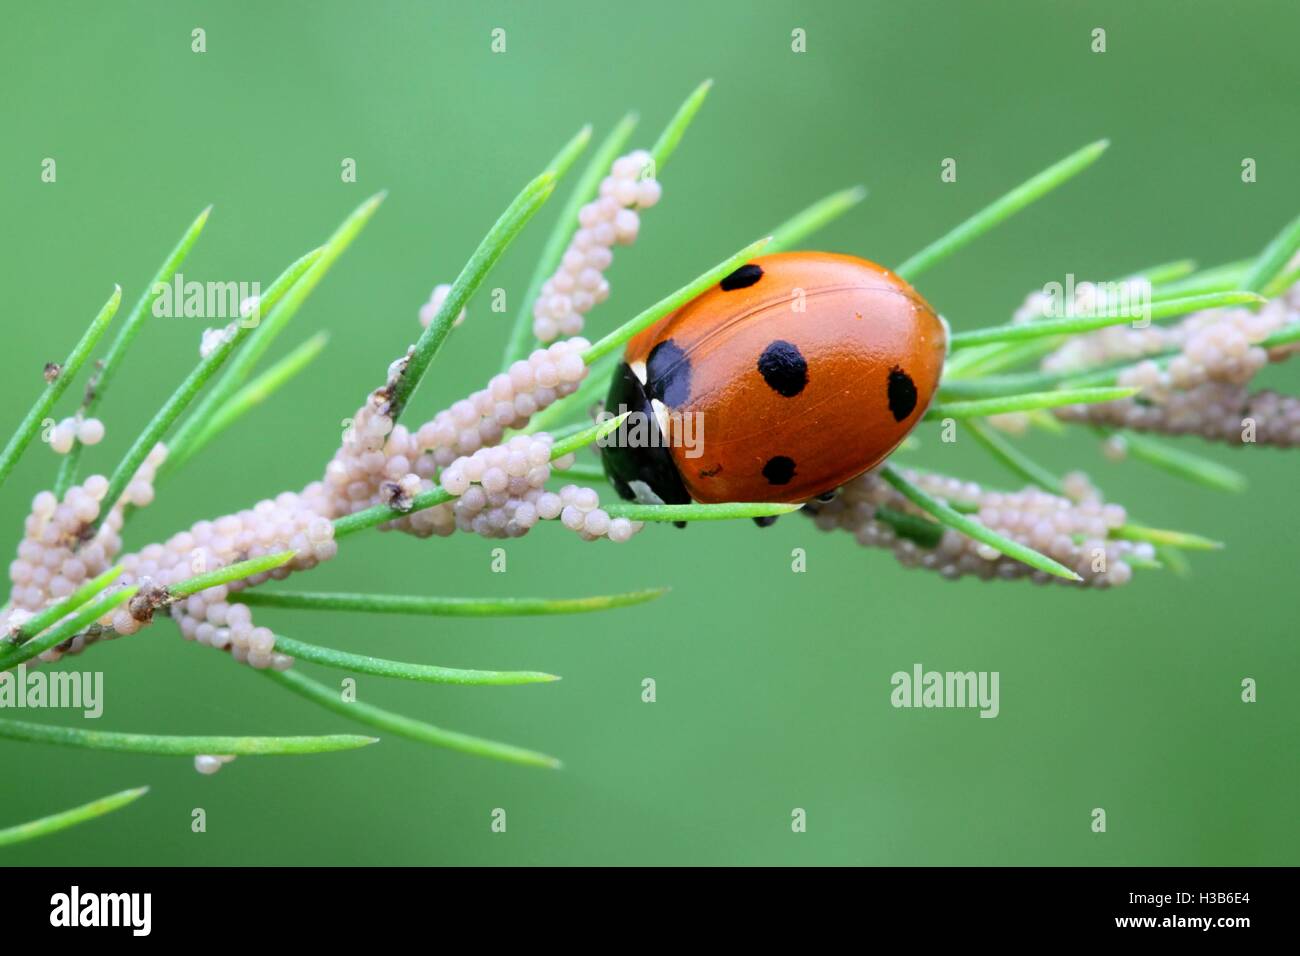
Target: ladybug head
x: 640, y: 470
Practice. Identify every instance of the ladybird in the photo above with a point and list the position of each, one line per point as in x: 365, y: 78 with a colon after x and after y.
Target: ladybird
x: 794, y: 374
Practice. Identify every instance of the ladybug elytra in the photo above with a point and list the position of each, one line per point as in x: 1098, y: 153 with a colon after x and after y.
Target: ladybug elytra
x: 799, y: 371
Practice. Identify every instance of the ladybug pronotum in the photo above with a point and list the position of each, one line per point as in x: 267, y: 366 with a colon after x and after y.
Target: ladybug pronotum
x: 797, y: 372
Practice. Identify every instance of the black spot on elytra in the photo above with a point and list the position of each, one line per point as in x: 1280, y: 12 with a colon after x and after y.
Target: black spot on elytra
x: 779, y: 470
x: 711, y: 472
x: 902, y: 394
x: 742, y: 278
x: 668, y: 374
x: 783, y: 368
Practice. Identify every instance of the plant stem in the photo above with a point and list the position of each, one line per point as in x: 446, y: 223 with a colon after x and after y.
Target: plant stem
x: 31, y: 423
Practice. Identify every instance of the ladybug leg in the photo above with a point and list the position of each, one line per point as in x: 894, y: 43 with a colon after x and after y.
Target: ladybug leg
x: 766, y: 521
x: 828, y: 495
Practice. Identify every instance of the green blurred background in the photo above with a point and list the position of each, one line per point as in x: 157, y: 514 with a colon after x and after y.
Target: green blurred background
x: 773, y: 687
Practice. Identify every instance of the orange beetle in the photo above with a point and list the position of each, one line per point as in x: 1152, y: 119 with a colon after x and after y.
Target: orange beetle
x: 794, y: 374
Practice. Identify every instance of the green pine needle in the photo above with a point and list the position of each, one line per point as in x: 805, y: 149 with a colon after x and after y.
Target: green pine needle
x: 511, y: 222
x: 296, y: 289
x: 988, y: 359
x: 1284, y: 281
x: 1160, y: 536
x: 190, y: 436
x: 444, y: 606
x: 667, y: 142
x: 56, y: 612
x: 293, y: 287
x: 1287, y: 335
x: 697, y: 512
x: 1181, y: 463
x: 162, y: 420
x: 581, y: 471
x: 592, y: 390
x: 1166, y: 272
x: 1272, y: 261
x: 521, y: 332
x: 389, y: 722
x: 620, y: 336
x: 31, y: 423
x: 794, y: 230
x: 428, y: 673
x: 1174, y: 560
x: 1072, y: 325
x: 129, y: 329
x: 69, y: 818
x: 141, y: 311
x: 12, y: 656
x: 259, y: 390
x: 992, y: 386
x: 1004, y: 405
x: 230, y: 573
x: 1005, y: 207
x: 378, y: 514
x: 176, y: 746
x: 1219, y: 278
x: 973, y: 529
x: 924, y: 532
x: 1013, y: 458
x: 587, y: 436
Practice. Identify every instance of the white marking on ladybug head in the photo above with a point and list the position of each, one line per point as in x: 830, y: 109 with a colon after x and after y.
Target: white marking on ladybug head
x: 644, y: 496
x: 638, y: 369
x: 661, y: 415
